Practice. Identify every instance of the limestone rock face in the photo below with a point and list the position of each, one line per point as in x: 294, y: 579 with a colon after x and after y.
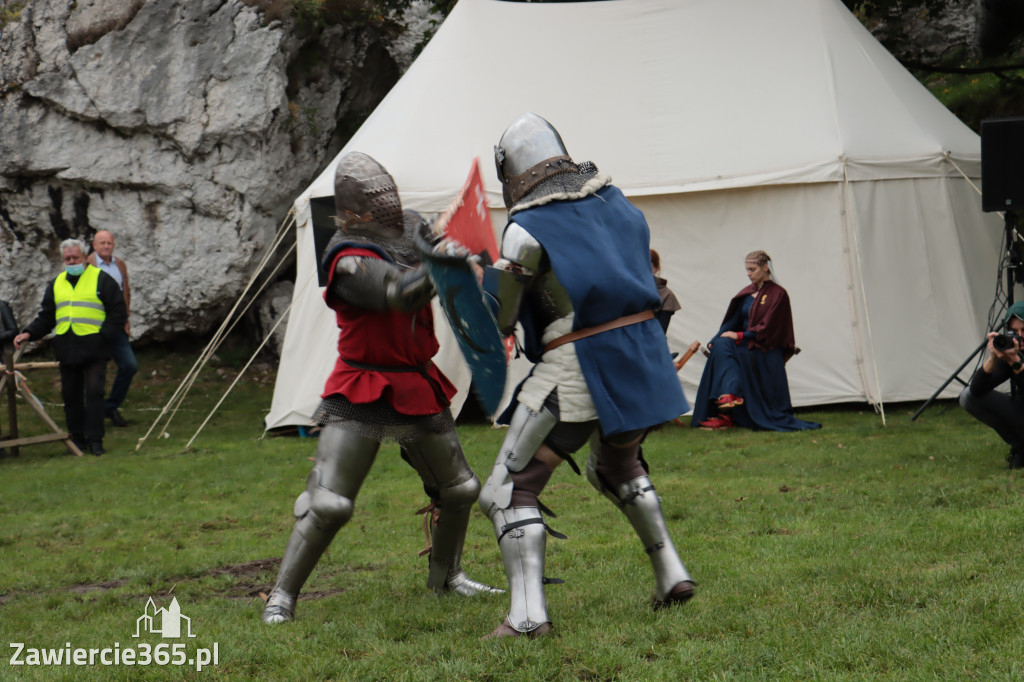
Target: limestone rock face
x: 273, y: 306
x: 186, y: 127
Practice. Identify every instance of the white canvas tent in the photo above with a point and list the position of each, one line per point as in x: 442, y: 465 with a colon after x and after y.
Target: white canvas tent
x: 734, y: 125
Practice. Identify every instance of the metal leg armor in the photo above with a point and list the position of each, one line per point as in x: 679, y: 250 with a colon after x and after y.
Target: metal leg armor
x: 521, y: 533
x: 639, y: 502
x: 526, y: 433
x: 343, y: 461
x: 441, y: 464
x: 522, y: 539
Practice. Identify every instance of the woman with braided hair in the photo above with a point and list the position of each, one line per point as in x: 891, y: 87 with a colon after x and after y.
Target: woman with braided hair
x: 744, y: 381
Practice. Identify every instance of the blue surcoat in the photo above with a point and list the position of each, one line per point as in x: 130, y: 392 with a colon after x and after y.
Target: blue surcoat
x: 599, y: 249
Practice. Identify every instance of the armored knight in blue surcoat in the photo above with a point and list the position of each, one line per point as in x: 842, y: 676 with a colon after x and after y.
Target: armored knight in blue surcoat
x: 575, y: 272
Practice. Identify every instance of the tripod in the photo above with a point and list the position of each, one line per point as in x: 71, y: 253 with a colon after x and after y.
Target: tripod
x: 1014, y: 269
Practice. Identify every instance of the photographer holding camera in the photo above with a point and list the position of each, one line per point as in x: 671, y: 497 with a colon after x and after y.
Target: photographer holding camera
x: 1004, y: 412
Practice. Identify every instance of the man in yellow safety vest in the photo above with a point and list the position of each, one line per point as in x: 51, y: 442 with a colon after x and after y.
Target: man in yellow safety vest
x: 85, y: 309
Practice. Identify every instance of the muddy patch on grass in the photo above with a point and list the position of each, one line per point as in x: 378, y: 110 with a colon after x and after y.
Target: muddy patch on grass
x: 97, y: 587
x: 248, y: 580
x: 73, y: 589
x: 255, y: 579
x: 252, y: 582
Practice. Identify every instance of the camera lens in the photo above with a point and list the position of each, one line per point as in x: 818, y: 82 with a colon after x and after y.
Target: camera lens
x: 1002, y: 342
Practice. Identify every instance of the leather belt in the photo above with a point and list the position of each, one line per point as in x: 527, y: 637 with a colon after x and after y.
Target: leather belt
x: 421, y: 369
x: 442, y: 399
x: 642, y: 316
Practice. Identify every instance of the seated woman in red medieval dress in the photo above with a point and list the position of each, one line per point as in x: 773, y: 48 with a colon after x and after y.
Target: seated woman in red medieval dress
x: 744, y: 381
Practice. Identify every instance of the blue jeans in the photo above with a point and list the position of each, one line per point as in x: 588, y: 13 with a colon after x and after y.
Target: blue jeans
x: 122, y: 355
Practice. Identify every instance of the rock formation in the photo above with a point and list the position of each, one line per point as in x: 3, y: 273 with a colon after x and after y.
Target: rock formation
x: 186, y: 127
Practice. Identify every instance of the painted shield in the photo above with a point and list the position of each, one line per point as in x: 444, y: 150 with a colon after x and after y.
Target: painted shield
x: 470, y: 317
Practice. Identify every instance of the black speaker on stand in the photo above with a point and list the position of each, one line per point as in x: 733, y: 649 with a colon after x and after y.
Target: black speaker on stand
x: 1002, y: 164
x: 1002, y: 184
x: 1002, y: 189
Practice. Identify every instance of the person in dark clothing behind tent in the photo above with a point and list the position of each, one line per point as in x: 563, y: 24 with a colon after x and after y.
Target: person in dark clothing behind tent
x: 744, y: 381
x: 1001, y: 411
x: 669, y: 302
x: 8, y: 330
x: 8, y: 327
x: 85, y: 308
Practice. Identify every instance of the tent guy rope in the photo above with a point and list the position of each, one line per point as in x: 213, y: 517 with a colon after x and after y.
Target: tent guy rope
x: 229, y: 323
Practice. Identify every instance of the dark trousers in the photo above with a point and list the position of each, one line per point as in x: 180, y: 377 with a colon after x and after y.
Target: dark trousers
x: 123, y: 356
x: 82, y: 388
x: 1000, y: 412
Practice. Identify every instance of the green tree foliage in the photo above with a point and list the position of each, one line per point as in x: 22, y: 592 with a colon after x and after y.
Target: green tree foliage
x: 442, y: 7
x: 970, y: 53
x: 315, y: 14
x: 380, y: 12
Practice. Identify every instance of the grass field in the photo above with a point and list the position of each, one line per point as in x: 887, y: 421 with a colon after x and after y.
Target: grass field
x: 857, y: 552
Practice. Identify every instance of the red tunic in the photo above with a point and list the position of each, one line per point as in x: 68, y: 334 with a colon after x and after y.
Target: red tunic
x: 389, y: 339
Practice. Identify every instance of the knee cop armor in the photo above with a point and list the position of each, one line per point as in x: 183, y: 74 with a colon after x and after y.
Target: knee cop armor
x: 525, y: 435
x: 327, y: 504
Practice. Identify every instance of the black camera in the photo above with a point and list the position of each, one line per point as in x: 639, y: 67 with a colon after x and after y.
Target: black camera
x: 1004, y: 342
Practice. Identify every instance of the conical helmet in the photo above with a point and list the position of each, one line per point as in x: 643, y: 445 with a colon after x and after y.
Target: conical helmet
x: 366, y: 198
x: 528, y: 142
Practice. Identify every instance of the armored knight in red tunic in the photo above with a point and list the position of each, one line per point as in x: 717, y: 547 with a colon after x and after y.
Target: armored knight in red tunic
x: 383, y: 387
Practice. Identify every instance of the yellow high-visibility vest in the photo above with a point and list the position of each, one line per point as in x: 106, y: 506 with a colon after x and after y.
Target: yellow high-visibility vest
x: 79, y: 307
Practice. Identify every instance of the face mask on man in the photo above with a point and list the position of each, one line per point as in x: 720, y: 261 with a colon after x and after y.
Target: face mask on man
x: 75, y: 270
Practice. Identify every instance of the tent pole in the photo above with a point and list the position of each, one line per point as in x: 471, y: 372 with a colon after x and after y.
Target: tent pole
x: 266, y: 338
x: 216, y: 343
x: 190, y: 377
x: 859, y: 276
